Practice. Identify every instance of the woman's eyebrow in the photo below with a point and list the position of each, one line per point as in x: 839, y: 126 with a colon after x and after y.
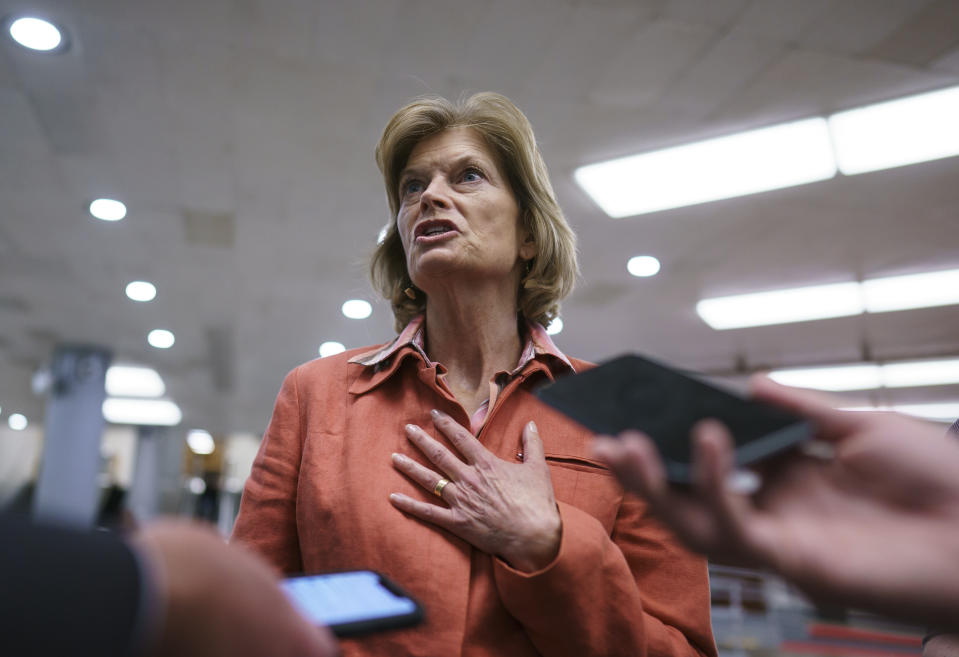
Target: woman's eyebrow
x: 456, y: 163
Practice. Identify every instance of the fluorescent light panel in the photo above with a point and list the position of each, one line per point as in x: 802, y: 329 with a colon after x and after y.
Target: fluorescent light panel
x: 942, y: 412
x: 909, y: 130
x: 936, y: 411
x: 141, y: 412
x: 133, y: 381
x: 896, y: 133
x: 802, y: 304
x: 780, y: 156
x: 926, y: 290
x: 781, y: 306
x: 838, y: 378
x: 868, y: 376
x: 920, y: 373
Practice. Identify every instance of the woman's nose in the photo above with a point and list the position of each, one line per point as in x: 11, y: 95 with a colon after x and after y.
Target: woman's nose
x: 435, y: 195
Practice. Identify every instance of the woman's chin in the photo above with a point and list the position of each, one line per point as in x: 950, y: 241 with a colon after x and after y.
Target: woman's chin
x: 436, y: 266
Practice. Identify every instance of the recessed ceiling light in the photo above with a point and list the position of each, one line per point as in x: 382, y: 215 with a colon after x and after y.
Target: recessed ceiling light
x: 36, y: 33
x: 141, y: 412
x: 17, y: 421
x: 108, y: 209
x: 200, y: 441
x: 735, y: 165
x: 141, y: 291
x: 898, y: 132
x: 357, y: 309
x: 331, y: 348
x: 134, y: 381
x: 555, y: 327
x: 161, y: 338
x: 643, y: 266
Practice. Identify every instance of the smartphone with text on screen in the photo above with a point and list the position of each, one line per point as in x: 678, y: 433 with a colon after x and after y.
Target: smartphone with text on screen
x: 353, y: 603
x: 634, y: 392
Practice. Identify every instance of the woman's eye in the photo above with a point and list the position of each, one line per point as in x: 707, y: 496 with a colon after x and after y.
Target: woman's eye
x: 411, y: 187
x: 471, y: 175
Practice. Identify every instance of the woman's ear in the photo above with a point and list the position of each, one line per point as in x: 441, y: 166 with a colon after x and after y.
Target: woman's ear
x: 527, y: 250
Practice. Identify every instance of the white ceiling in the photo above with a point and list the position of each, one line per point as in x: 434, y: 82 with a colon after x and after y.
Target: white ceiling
x: 240, y: 135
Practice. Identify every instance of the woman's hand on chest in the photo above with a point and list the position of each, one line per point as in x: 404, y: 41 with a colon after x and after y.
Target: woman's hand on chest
x: 505, y: 509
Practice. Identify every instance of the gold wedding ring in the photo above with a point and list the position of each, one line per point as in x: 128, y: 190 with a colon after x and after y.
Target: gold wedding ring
x: 440, y: 485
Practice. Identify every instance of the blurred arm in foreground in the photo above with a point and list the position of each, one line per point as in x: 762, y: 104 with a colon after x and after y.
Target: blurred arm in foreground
x: 873, y: 525
x: 174, y: 589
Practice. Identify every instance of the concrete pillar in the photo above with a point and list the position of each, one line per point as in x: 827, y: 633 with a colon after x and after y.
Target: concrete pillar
x: 67, y: 489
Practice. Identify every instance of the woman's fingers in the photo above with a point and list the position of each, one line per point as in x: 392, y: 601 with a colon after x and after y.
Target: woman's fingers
x: 432, y: 513
x: 438, y: 455
x: 422, y: 475
x: 464, y: 441
x: 533, y: 445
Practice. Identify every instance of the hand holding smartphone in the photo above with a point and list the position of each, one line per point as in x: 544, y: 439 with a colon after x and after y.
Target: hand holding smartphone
x: 353, y: 603
x: 634, y: 392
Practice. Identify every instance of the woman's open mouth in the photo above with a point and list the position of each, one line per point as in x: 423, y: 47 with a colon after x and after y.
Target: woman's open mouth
x: 434, y: 230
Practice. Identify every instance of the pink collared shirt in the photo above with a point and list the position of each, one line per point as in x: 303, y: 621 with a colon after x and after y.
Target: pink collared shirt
x: 538, y: 345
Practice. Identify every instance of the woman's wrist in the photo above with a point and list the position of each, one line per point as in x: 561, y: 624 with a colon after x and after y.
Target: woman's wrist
x: 539, y: 549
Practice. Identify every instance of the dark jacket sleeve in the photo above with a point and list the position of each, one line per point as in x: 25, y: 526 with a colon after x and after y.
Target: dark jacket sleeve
x: 66, y: 591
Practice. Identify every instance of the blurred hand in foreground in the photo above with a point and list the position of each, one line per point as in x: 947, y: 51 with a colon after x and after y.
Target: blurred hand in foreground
x: 219, y: 600
x: 873, y: 523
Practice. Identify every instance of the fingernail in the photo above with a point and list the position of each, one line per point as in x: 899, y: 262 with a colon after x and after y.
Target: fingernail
x: 397, y: 458
x: 394, y: 497
x: 411, y: 428
x: 436, y: 414
x: 532, y: 427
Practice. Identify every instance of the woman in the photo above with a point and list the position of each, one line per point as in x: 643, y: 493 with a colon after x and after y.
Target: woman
x: 532, y: 548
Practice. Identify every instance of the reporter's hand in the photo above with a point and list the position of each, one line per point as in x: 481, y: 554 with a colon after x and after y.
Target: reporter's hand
x: 876, y: 525
x: 221, y: 600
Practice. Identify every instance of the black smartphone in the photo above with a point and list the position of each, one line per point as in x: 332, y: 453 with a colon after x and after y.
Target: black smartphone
x: 353, y: 603
x: 634, y: 392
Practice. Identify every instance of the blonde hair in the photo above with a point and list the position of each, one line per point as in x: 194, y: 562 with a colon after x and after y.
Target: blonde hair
x: 509, y: 135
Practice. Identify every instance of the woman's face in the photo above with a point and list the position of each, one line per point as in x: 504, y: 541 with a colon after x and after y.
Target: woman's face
x: 457, y: 215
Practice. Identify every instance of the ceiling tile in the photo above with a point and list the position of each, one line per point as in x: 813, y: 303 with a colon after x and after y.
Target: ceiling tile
x: 649, y: 62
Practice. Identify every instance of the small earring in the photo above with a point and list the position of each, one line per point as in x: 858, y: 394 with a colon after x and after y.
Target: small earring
x: 410, y: 292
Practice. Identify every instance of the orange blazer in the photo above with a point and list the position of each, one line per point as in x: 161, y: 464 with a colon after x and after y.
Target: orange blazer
x: 317, y: 500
